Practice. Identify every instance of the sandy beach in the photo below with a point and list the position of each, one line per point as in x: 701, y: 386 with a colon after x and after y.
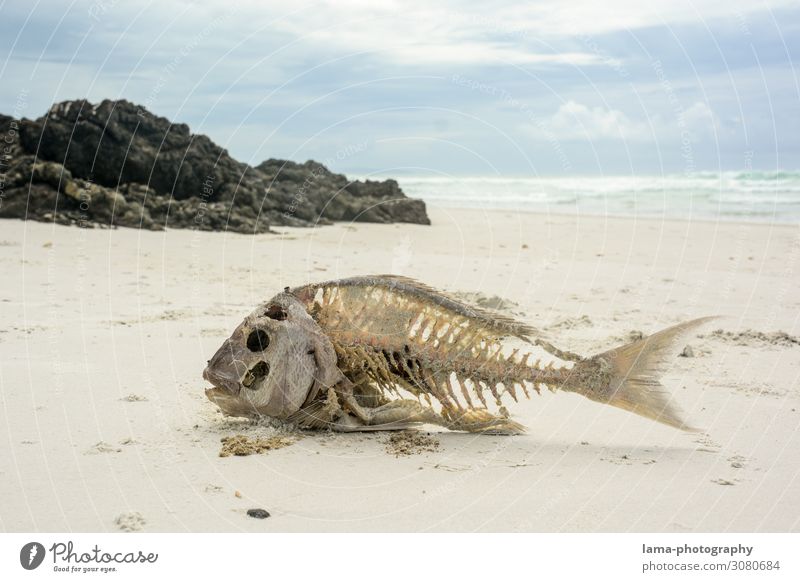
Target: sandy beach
x: 106, y: 332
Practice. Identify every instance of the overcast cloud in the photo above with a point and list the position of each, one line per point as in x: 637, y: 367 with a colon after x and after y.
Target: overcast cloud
x: 471, y: 88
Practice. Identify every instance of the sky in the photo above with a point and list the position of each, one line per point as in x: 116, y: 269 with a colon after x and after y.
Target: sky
x: 487, y: 88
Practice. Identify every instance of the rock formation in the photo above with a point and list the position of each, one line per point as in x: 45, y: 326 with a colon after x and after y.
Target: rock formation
x: 116, y: 164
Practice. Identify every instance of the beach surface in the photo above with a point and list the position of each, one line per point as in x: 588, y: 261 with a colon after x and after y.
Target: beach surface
x: 105, y: 425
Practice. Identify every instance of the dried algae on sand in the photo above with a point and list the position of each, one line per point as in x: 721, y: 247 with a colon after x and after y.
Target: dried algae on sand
x: 240, y: 445
x: 409, y: 442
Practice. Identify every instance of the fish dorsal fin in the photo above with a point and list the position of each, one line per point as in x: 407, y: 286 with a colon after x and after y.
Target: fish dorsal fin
x: 416, y: 296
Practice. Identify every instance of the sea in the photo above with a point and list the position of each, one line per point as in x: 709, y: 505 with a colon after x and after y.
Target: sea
x: 729, y: 196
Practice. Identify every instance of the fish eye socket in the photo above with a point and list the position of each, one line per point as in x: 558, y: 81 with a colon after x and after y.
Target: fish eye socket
x: 257, y: 341
x: 276, y: 312
x: 260, y: 370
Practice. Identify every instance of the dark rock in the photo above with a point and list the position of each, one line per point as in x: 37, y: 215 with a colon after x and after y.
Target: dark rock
x: 116, y: 164
x: 310, y: 192
x: 258, y: 513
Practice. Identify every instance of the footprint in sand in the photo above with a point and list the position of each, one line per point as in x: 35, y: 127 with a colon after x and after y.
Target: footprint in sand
x: 737, y: 461
x: 130, y: 521
x: 102, y: 447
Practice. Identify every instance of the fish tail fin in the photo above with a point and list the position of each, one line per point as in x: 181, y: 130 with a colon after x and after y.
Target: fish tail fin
x: 628, y: 376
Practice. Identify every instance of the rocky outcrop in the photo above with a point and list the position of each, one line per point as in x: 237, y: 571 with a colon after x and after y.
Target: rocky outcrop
x: 116, y: 164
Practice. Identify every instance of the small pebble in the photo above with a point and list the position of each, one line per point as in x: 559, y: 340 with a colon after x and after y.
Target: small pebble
x: 258, y: 513
x: 688, y: 352
x: 238, y: 494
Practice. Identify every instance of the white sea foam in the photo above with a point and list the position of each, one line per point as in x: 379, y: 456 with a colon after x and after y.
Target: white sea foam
x: 752, y: 196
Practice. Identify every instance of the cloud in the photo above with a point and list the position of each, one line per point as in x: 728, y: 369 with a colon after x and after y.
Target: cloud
x: 699, y: 120
x: 576, y: 121
x: 588, y: 17
x: 454, y: 32
x: 420, y: 33
x: 268, y: 78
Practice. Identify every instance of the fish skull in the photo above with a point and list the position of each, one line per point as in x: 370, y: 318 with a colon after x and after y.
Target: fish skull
x: 275, y: 361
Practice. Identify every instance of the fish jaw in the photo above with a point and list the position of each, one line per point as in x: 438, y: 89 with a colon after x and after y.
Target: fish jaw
x: 223, y: 381
x: 226, y: 393
x: 229, y: 404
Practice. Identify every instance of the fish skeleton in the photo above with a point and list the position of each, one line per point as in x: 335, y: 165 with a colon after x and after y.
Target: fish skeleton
x: 387, y: 352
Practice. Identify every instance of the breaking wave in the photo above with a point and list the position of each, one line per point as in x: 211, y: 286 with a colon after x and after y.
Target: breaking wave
x: 753, y: 196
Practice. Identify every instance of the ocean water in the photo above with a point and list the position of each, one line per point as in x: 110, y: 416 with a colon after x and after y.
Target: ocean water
x: 732, y: 196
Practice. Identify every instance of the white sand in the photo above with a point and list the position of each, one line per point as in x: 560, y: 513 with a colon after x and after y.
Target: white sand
x: 99, y: 315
